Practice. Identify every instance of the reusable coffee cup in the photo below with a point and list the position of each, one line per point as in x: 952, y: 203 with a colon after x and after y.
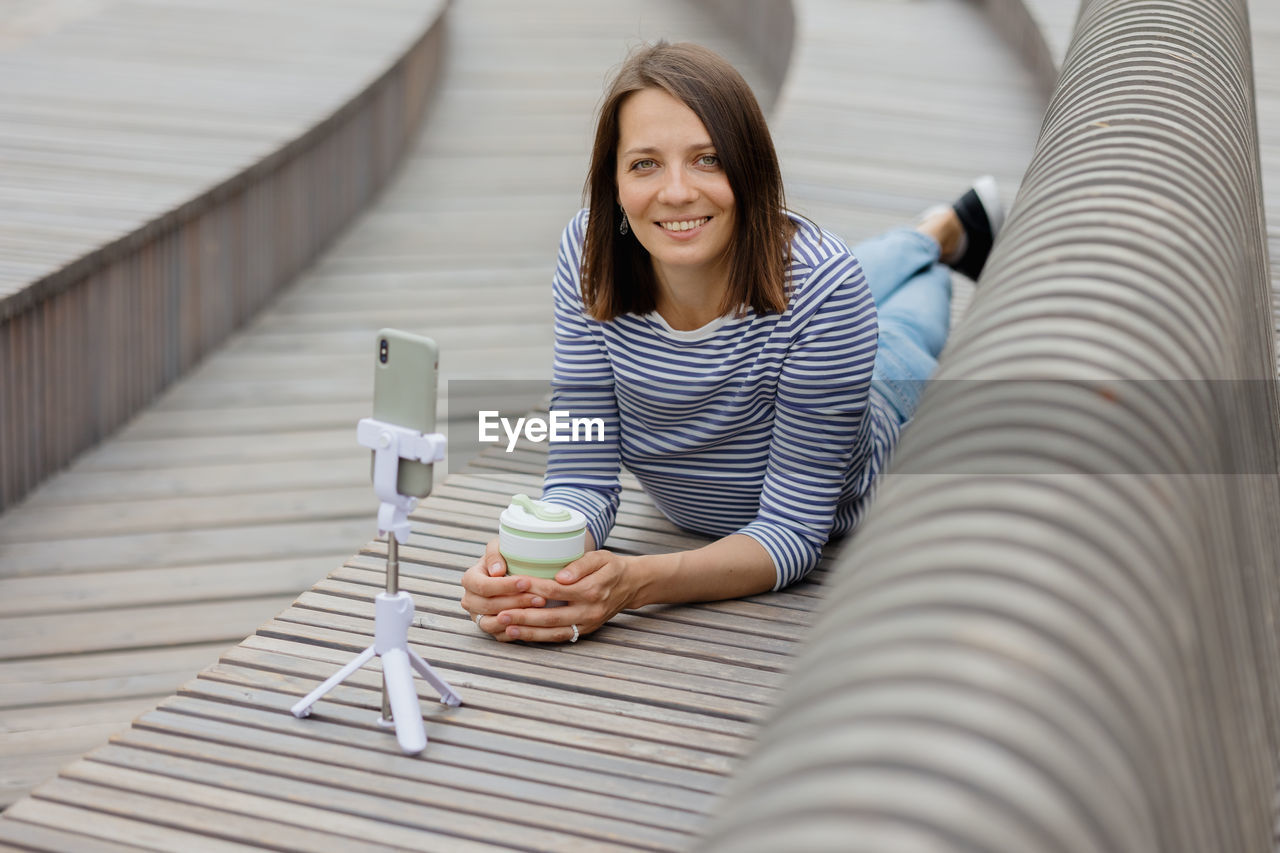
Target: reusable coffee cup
x: 538, y: 539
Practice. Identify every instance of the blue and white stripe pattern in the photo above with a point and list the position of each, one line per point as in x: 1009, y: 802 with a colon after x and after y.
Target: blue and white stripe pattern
x: 764, y: 425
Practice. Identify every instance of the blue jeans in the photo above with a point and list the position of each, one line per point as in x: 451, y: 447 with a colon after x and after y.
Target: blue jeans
x: 912, y: 292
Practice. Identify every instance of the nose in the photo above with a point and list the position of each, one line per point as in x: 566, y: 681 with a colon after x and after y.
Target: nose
x: 677, y: 189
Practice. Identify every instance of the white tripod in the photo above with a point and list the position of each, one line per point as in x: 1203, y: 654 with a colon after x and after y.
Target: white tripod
x: 393, y: 609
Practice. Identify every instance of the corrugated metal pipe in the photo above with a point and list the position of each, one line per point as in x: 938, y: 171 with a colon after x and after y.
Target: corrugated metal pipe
x: 1056, y: 629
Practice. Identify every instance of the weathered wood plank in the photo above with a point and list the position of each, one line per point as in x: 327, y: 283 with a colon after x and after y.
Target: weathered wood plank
x: 316, y: 662
x: 44, y: 718
x: 485, y: 753
x: 182, y: 547
x: 555, y: 740
x: 136, y: 833
x: 211, y: 823
x: 148, y: 587
x: 262, y: 699
x: 501, y: 693
x: 134, y: 627
x: 629, y: 676
x: 21, y: 773
x: 30, y: 836
x: 122, y: 517
x: 481, y: 800
x: 78, y: 679
x: 349, y: 818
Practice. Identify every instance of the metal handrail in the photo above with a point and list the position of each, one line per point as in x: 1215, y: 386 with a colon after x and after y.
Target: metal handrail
x: 1056, y: 628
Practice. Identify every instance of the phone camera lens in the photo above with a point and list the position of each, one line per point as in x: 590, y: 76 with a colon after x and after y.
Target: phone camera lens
x: 383, y: 348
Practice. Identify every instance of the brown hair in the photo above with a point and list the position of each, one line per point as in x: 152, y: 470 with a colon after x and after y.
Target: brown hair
x: 617, y: 275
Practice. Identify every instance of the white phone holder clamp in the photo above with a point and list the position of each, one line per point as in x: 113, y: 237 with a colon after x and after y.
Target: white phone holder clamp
x: 390, y: 444
x: 393, y: 609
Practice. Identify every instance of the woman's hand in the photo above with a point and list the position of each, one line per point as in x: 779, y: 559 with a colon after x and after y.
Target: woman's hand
x: 600, y: 584
x: 488, y: 590
x: 595, y: 587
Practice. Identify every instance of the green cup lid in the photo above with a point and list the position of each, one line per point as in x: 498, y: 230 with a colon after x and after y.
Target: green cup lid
x: 530, y: 516
x: 541, y: 511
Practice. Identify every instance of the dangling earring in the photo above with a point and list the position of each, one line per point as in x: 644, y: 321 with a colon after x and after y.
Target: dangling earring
x: 625, y: 227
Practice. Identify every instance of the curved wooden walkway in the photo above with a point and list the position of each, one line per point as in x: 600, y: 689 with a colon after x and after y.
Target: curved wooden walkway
x: 854, y: 194
x: 204, y: 517
x: 242, y: 486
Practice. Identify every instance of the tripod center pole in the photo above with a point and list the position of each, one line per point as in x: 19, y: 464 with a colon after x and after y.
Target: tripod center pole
x: 393, y: 584
x: 393, y: 564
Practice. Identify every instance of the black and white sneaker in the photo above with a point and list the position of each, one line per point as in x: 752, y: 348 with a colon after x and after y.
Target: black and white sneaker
x: 982, y: 216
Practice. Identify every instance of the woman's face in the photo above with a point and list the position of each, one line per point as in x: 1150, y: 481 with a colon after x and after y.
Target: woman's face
x: 673, y: 188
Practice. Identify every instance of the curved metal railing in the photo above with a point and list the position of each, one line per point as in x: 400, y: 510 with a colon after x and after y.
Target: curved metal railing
x: 1056, y: 629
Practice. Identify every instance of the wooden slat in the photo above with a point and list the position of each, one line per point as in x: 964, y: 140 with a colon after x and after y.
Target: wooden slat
x: 220, y: 824
x: 177, y: 547
x: 481, y: 800
x: 498, y: 691
x: 348, y: 721
x: 91, y: 830
x: 120, y: 517
x: 603, y: 675
x: 31, y: 836
x: 133, y: 627
x: 49, y: 681
x: 351, y: 818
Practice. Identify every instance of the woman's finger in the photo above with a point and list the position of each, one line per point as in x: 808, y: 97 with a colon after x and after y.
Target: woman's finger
x: 477, y: 581
x: 557, y: 634
x: 489, y: 625
x: 587, y: 564
x: 484, y: 595
x: 474, y: 604
x: 580, y: 581
x: 494, y: 563
x: 545, y: 617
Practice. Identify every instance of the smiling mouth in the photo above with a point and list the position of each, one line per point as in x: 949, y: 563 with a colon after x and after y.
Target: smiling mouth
x: 684, y: 224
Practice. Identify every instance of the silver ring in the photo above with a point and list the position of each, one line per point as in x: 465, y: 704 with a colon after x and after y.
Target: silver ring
x: 477, y: 617
x: 574, y: 638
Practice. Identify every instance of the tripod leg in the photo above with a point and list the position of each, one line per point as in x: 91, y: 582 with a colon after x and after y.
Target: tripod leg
x: 303, y: 707
x: 447, y: 694
x: 405, y: 709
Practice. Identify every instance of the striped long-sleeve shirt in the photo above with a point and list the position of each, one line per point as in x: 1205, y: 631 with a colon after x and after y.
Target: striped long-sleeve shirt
x: 764, y: 425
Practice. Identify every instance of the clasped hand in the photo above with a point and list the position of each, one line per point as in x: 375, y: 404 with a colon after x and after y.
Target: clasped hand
x: 595, y: 587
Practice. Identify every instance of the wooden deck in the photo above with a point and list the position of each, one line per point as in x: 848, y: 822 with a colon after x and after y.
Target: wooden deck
x: 203, y: 519
x: 124, y: 575
x: 170, y: 115
x: 205, y: 516
x: 618, y: 743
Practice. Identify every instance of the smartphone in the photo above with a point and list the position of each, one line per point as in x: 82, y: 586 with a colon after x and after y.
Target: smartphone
x: 404, y: 393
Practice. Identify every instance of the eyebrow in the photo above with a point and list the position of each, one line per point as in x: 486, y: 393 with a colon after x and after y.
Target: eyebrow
x: 649, y: 149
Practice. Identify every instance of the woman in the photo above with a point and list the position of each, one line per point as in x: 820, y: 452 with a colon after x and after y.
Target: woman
x: 752, y: 371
